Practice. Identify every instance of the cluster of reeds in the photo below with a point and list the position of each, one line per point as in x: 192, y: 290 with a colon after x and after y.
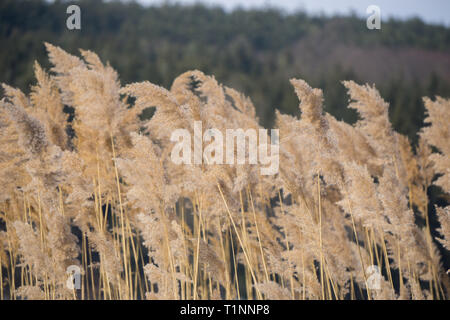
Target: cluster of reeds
x: 346, y: 217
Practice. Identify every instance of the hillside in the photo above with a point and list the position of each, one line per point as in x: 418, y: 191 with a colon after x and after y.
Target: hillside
x: 253, y: 51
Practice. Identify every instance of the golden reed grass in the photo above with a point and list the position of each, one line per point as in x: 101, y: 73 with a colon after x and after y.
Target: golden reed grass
x: 105, y: 195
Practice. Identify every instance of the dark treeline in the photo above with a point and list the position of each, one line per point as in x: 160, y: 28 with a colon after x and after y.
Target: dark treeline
x: 254, y: 51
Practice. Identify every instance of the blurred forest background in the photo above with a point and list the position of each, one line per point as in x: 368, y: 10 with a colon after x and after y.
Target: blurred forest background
x: 254, y: 51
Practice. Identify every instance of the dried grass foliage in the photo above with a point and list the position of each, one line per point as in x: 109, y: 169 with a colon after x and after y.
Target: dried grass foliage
x: 110, y: 200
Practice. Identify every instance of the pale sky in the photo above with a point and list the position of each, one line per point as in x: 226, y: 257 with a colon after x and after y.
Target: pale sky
x: 433, y: 11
